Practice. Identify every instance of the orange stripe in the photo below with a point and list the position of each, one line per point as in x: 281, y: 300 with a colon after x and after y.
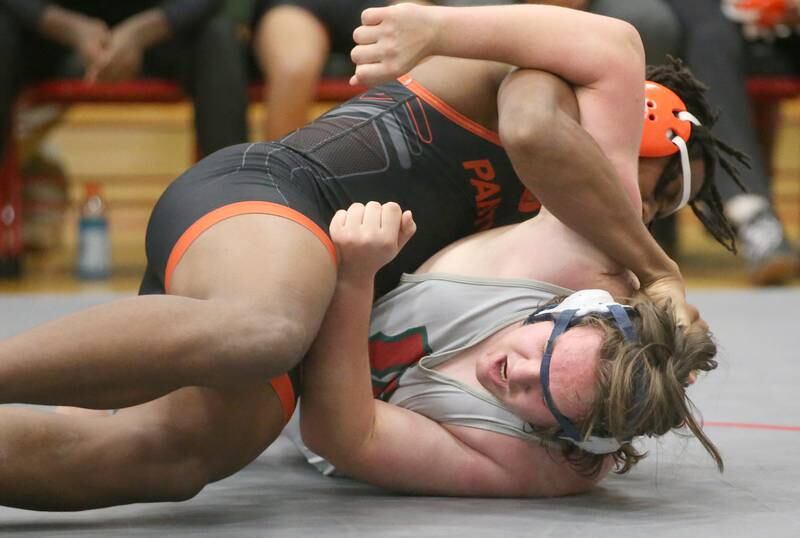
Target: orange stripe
x: 232, y: 210
x: 449, y: 112
x: 282, y: 385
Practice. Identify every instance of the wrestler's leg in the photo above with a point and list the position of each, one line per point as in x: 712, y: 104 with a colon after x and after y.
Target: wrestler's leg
x: 255, y: 288
x: 291, y: 46
x: 166, y: 450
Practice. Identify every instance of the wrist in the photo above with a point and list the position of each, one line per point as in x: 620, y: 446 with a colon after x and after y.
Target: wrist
x: 665, y: 268
x: 355, y: 280
x: 438, y: 22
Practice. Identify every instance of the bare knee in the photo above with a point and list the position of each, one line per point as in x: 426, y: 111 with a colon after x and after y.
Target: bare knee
x: 295, y: 68
x: 300, y: 72
x: 291, y: 45
x: 274, y: 343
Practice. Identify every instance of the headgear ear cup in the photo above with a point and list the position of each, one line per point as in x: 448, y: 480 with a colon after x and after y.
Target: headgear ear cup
x: 661, y: 121
x: 667, y: 129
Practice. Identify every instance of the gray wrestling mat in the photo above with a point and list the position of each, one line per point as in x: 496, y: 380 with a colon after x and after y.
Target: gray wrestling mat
x: 675, y: 492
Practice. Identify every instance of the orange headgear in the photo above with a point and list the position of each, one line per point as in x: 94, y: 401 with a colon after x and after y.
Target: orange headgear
x: 667, y: 128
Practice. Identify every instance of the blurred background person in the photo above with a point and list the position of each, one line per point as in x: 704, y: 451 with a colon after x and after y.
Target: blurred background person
x: 293, y: 41
x: 188, y: 41
x: 715, y: 48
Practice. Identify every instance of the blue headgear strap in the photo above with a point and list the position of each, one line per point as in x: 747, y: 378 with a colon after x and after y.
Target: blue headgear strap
x: 623, y: 321
x: 561, y: 325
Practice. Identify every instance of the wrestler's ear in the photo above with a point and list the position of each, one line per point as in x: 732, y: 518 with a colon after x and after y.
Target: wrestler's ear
x: 407, y: 228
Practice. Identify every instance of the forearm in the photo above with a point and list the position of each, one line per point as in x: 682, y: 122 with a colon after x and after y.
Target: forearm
x: 150, y: 27
x: 337, y: 405
x: 574, y: 4
x: 602, y: 58
x: 575, y: 45
x: 58, y: 24
x: 570, y: 174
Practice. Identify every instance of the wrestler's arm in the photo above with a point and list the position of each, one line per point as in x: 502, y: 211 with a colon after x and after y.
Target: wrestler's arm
x: 603, y: 57
x: 540, y: 126
x: 597, y: 197
x: 384, y: 444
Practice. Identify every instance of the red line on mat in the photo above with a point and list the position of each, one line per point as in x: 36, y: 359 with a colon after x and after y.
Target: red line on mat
x: 752, y: 426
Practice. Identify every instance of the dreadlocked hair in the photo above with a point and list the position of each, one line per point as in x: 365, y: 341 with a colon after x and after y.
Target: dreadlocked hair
x: 707, y: 205
x: 641, y: 388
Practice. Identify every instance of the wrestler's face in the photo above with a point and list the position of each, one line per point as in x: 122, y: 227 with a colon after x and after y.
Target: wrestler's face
x: 659, y: 196
x: 509, y: 370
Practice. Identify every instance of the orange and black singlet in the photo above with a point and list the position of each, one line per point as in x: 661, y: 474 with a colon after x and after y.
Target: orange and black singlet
x: 396, y: 142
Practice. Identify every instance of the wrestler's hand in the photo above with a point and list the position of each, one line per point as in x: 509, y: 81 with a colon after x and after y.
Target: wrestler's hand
x: 391, y: 41
x: 89, y: 37
x: 368, y: 237
x: 670, y: 292
x: 122, y: 59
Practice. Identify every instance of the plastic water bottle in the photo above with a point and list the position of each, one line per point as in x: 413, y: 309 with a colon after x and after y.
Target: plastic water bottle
x: 94, y: 244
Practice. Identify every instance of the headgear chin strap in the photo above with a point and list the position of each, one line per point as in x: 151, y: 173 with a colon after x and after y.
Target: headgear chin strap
x: 667, y: 129
x: 565, y: 315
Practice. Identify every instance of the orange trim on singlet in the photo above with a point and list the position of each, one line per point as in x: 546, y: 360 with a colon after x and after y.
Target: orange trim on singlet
x: 449, y: 112
x: 232, y: 210
x: 282, y: 385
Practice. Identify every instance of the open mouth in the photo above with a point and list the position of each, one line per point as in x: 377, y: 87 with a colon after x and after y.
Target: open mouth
x: 504, y: 369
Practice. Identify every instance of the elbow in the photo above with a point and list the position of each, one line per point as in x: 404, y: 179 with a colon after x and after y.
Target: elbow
x: 538, y: 137
x: 632, y: 41
x: 533, y: 106
x: 527, y: 130
x: 312, y: 437
x: 626, y: 50
x: 339, y: 450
